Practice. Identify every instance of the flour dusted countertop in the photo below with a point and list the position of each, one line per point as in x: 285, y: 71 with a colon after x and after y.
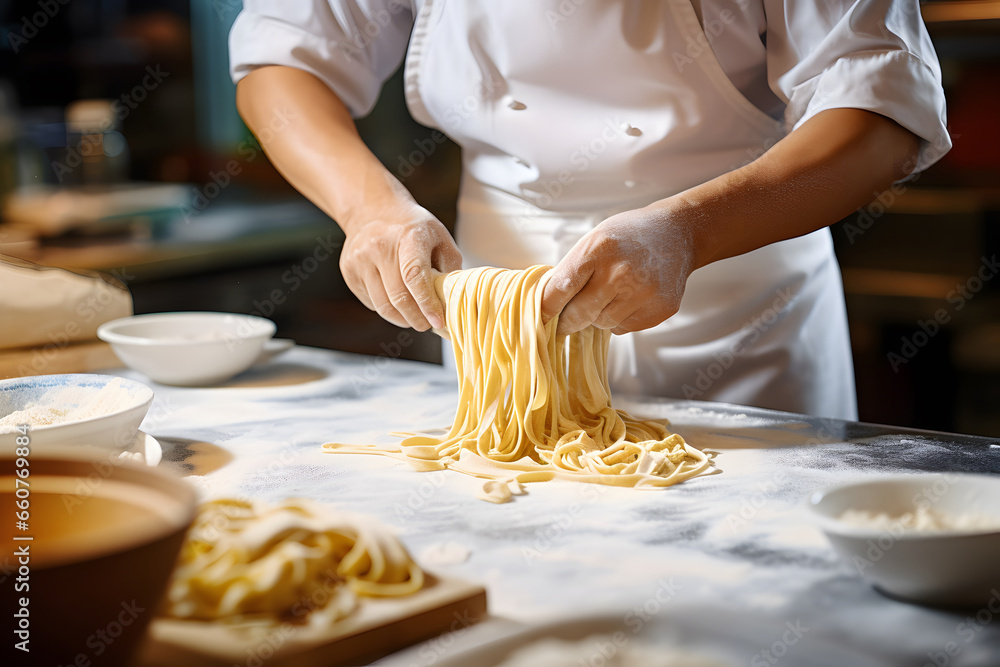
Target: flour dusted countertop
x: 739, y: 542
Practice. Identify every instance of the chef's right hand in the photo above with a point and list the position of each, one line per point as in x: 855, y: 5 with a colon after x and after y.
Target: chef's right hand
x: 387, y: 262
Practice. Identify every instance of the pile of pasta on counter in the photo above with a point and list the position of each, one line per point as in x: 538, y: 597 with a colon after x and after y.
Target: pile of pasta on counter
x: 535, y: 406
x: 298, y: 561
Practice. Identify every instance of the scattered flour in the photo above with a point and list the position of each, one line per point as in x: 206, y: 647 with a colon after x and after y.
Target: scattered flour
x: 444, y: 553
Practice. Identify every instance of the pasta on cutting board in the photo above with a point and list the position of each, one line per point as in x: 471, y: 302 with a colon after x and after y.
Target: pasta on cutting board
x: 534, y: 406
x: 297, y: 561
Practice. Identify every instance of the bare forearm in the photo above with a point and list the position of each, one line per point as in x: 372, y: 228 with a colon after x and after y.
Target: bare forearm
x: 393, y: 244
x: 821, y: 172
x: 629, y: 272
x: 319, y: 151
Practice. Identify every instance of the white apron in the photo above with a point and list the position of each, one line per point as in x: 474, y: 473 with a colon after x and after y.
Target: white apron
x: 568, y: 113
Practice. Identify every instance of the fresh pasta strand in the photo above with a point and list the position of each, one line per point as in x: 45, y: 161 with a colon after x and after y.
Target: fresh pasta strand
x: 534, y: 406
x: 297, y: 561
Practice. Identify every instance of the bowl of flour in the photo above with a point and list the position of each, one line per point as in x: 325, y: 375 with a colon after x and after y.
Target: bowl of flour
x: 72, y: 411
x: 932, y: 538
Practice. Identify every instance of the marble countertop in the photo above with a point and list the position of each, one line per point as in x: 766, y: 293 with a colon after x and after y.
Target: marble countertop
x: 736, y: 550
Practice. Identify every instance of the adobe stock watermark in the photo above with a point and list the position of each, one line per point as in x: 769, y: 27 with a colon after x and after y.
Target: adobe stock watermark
x: 318, y: 597
x: 908, y: 10
x: 86, y: 312
x: 883, y: 201
x: 8, y: 568
x: 264, y: 476
x: 435, y: 649
x: 562, y: 12
x: 605, y: 649
x: 751, y: 505
x: 160, y: 413
x: 453, y: 117
x: 104, y: 636
x: 637, y: 618
x: 424, y: 148
x: 376, y: 366
x: 380, y: 19
x: 222, y: 521
x: 701, y: 44
x: 925, y: 499
x: 121, y: 107
x: 293, y: 278
x: 772, y: 655
x: 585, y: 155
x: 226, y: 9
x: 766, y: 491
x: 957, y: 298
x: 420, y: 497
x: 705, y: 378
x: 32, y: 24
x: 103, y: 466
x: 966, y: 632
x: 547, y: 536
x: 249, y: 150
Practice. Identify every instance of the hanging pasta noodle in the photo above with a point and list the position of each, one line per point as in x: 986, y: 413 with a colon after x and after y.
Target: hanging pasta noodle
x: 534, y: 406
x: 295, y: 562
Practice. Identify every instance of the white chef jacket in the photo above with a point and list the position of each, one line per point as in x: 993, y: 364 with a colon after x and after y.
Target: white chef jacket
x: 568, y: 112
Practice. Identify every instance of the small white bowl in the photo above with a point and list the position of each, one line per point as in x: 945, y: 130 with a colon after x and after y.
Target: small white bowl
x: 75, y: 410
x: 954, y: 567
x: 188, y: 349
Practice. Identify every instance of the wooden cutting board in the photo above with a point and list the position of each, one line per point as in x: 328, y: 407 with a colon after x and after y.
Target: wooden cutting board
x: 380, y: 626
x: 82, y: 357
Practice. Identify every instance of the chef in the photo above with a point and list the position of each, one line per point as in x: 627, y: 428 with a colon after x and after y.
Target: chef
x: 677, y: 161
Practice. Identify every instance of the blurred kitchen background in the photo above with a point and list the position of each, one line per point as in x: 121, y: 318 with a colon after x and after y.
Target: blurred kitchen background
x: 121, y: 151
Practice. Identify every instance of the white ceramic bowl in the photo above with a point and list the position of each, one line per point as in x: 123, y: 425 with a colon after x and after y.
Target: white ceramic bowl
x: 959, y: 568
x: 188, y: 349
x: 73, y: 411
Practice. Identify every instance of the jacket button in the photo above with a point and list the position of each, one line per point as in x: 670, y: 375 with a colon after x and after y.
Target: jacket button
x: 631, y: 131
x: 517, y: 106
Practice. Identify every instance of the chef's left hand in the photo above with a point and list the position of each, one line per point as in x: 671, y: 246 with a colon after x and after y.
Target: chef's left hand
x: 627, y: 274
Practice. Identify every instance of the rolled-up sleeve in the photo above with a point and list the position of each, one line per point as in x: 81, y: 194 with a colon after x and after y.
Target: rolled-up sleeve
x: 351, y: 45
x: 864, y: 54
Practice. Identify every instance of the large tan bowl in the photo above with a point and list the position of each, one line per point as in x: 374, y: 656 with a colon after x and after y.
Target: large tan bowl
x: 105, y: 538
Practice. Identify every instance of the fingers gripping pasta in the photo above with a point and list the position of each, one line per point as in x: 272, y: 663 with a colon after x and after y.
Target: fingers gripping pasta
x: 534, y: 406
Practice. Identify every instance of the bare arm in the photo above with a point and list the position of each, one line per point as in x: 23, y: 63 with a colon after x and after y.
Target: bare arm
x: 832, y: 165
x: 629, y: 273
x: 392, y: 242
